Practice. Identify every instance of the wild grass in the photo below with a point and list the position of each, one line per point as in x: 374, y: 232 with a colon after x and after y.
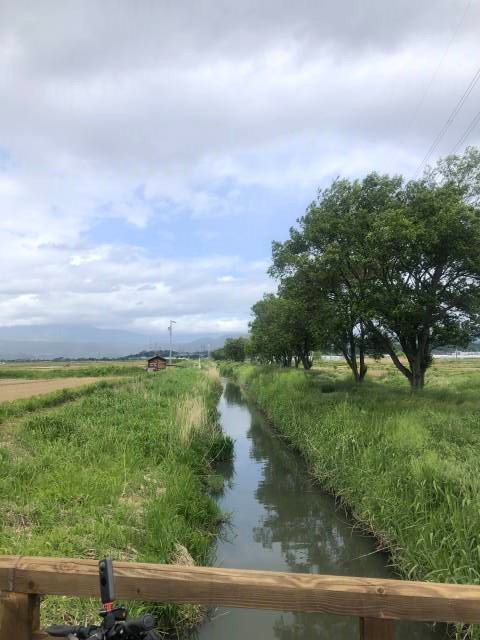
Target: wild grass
x: 113, y: 473
x: 79, y: 371
x: 17, y: 408
x: 407, y: 465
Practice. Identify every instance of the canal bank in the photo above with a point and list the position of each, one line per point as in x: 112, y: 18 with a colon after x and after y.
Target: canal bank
x: 281, y: 521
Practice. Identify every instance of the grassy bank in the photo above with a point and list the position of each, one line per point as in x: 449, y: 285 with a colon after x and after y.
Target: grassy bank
x: 18, y: 408
x: 125, y: 470
x: 408, y: 466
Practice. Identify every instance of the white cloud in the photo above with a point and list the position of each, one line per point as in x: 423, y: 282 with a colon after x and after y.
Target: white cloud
x: 120, y: 286
x: 136, y: 113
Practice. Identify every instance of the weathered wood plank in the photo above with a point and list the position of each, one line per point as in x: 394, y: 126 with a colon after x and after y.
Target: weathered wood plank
x: 377, y: 629
x: 7, y: 567
x: 364, y: 597
x: 19, y: 615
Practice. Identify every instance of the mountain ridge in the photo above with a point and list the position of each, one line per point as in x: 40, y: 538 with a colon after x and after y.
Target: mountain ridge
x: 49, y: 341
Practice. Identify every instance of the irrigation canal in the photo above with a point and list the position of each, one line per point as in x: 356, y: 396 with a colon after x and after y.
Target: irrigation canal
x: 281, y: 521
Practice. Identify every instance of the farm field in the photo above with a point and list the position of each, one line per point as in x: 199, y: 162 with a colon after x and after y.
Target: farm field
x: 122, y: 467
x: 41, y: 371
x: 407, y: 465
x: 14, y: 389
x: 385, y: 369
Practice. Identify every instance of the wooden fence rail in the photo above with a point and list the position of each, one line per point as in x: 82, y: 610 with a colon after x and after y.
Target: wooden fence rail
x: 377, y: 602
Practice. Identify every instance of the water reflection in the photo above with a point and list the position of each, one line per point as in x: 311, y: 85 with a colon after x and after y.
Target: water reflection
x: 314, y: 537
x: 281, y: 521
x: 232, y: 395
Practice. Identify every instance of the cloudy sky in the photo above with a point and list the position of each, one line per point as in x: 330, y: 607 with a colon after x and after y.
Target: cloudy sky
x: 151, y: 150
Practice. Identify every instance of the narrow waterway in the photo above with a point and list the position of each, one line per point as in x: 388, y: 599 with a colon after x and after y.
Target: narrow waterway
x: 281, y: 521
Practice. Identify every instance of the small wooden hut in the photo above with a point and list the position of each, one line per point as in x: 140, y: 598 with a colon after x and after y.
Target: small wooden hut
x: 156, y: 363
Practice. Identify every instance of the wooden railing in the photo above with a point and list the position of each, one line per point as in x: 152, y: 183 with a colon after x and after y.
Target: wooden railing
x: 377, y: 602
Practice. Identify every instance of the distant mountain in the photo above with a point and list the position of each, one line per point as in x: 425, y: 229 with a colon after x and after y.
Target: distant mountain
x: 206, y: 343
x: 51, y: 341
x: 67, y: 332
x: 68, y: 341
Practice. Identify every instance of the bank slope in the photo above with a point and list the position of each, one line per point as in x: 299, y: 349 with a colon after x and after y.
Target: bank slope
x: 124, y: 470
x: 408, y: 466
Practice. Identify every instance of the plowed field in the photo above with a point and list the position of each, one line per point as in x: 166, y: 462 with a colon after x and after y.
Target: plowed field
x: 11, y: 389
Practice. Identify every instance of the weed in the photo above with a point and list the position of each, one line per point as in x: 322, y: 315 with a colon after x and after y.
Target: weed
x: 122, y: 471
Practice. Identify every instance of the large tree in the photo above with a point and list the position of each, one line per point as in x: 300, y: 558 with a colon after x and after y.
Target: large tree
x: 235, y: 349
x: 324, y: 258
x: 401, y: 260
x: 269, y: 334
x: 282, y: 329
x: 424, y: 292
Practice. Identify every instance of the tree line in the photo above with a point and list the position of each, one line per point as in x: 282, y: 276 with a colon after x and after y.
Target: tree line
x: 377, y: 266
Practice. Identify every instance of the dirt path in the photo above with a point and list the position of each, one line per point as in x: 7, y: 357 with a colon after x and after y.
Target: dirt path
x: 15, y: 389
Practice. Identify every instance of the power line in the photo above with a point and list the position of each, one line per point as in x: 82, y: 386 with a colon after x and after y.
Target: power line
x: 450, y: 119
x: 467, y: 132
x: 435, y: 73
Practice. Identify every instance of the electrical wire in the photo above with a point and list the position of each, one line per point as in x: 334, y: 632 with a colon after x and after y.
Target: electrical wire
x: 435, y: 73
x: 450, y: 119
x: 466, y: 133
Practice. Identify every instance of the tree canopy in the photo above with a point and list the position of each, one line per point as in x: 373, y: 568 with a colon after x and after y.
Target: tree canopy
x: 235, y: 349
x: 382, y: 265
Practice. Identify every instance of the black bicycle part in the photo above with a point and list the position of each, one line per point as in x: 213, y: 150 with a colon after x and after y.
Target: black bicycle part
x: 64, y: 630
x: 107, y: 585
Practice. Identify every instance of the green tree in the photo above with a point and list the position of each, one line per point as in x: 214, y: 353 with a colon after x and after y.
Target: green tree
x: 281, y: 330
x: 393, y: 265
x: 270, y: 340
x: 424, y: 290
x: 324, y: 259
x: 218, y: 354
x: 298, y: 319
x: 235, y: 349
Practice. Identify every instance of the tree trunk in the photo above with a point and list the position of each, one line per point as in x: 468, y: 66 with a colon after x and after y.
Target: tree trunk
x: 351, y: 360
x: 363, y: 367
x: 307, y: 361
x: 417, y: 381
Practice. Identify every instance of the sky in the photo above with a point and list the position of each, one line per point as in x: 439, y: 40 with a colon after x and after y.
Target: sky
x: 150, y: 151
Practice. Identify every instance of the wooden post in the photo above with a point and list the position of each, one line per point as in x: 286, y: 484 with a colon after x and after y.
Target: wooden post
x: 19, y: 616
x: 377, y: 629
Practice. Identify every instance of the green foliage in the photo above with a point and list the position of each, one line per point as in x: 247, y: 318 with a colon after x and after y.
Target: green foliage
x: 408, y: 466
x: 281, y: 330
x: 122, y: 471
x: 218, y: 354
x: 383, y: 264
x: 235, y: 349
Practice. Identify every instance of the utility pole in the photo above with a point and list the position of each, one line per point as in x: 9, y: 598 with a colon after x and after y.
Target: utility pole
x: 170, y: 329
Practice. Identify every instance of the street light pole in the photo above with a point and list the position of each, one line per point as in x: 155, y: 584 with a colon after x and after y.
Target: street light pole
x: 170, y: 329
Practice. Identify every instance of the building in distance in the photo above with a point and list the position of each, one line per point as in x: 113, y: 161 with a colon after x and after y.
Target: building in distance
x: 157, y: 363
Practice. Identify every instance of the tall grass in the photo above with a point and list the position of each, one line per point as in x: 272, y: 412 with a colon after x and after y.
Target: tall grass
x: 113, y: 473
x: 408, y: 466
x: 78, y: 371
x: 17, y: 408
